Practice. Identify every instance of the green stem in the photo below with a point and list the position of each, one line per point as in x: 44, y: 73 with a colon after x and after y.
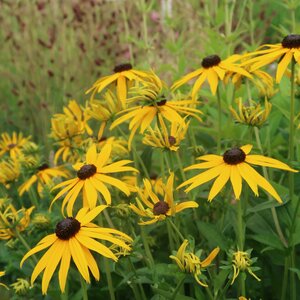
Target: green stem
x: 273, y: 210
x: 180, y: 283
x: 109, y: 279
x: 23, y: 241
x: 292, y: 179
x: 291, y: 131
x: 83, y: 288
x: 240, y: 226
x: 170, y: 236
x: 175, y: 229
x: 219, y: 121
x: 125, y: 19
x: 241, y: 240
x: 140, y: 292
x: 285, y: 279
x: 150, y: 260
x: 183, y: 177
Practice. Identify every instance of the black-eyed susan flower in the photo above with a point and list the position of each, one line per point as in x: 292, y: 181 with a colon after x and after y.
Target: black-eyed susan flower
x: 241, y: 262
x: 234, y: 165
x: 13, y: 144
x: 123, y: 75
x: 2, y: 273
x: 74, y: 112
x: 103, y: 110
x: 154, y: 104
x: 213, y: 69
x: 253, y: 114
x: 44, y: 176
x: 73, y: 239
x: 162, y: 137
x: 9, y: 171
x: 92, y: 177
x: 12, y: 220
x: 288, y: 49
x: 190, y: 263
x: 150, y: 206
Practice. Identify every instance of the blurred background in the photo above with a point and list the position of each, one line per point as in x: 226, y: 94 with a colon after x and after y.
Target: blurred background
x: 54, y: 50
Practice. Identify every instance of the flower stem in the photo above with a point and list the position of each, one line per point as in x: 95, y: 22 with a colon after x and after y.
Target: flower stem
x: 273, y: 210
x: 83, y: 288
x: 109, y: 279
x: 180, y: 283
x: 175, y: 229
x: 150, y: 260
x: 183, y: 177
x: 23, y: 241
x: 291, y: 178
x: 291, y: 131
x: 219, y: 121
x: 241, y: 240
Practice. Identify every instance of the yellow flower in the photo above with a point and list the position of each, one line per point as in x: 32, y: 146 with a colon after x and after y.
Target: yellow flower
x: 241, y: 261
x: 235, y: 164
x: 123, y: 76
x: 43, y: 176
x: 68, y: 149
x: 253, y: 114
x: 73, y: 239
x: 156, y: 209
x: 9, y: 172
x: 261, y: 80
x: 165, y: 139
x: 2, y: 273
x: 213, y: 69
x: 155, y: 105
x: 12, y: 144
x: 12, y: 220
x: 92, y: 178
x: 190, y: 263
x: 103, y: 110
x: 287, y: 50
x: 21, y: 286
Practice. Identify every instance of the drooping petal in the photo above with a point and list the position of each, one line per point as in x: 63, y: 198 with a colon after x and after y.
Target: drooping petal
x: 219, y: 182
x: 268, y: 162
x: 50, y: 268
x: 236, y: 181
x: 64, y: 268
x: 282, y: 66
x: 79, y: 258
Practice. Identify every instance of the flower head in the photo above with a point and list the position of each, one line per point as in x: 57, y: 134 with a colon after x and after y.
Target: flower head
x: 73, y: 239
x: 9, y: 171
x: 241, y: 261
x: 253, y: 114
x: 13, y: 144
x: 12, y: 220
x: 153, y: 104
x: 288, y: 49
x: 234, y: 164
x: 190, y: 263
x: 43, y: 175
x: 123, y: 76
x: 164, y: 138
x: 213, y: 69
x: 21, y: 286
x: 149, y: 205
x: 92, y: 178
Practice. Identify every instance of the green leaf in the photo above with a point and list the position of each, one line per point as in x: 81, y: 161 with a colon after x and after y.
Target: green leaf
x: 220, y: 279
x: 268, y: 239
x: 212, y: 234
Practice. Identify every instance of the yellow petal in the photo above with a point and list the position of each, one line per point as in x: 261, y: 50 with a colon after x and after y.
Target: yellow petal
x: 64, y: 268
x: 246, y: 148
x: 219, y: 182
x: 236, y: 181
x: 91, y: 215
x: 91, y: 155
x: 282, y: 66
